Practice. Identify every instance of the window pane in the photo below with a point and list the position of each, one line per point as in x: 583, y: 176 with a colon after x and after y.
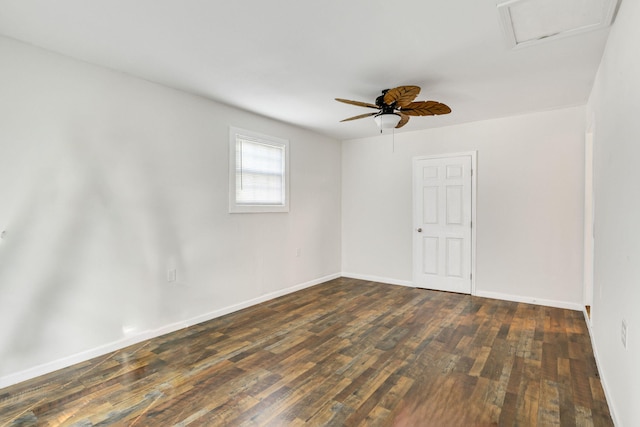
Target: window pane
x: 259, y: 173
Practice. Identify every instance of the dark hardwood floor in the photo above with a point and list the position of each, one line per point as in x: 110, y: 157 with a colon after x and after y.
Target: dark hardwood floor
x: 347, y: 352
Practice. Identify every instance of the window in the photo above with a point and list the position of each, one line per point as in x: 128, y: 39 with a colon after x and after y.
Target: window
x: 258, y: 172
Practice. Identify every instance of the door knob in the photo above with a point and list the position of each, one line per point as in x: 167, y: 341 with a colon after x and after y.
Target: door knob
x: 419, y: 230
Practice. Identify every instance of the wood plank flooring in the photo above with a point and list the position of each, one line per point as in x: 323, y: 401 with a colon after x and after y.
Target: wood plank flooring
x: 343, y: 353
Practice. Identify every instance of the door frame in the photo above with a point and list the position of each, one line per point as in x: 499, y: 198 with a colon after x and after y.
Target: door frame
x: 474, y: 226
x: 589, y: 219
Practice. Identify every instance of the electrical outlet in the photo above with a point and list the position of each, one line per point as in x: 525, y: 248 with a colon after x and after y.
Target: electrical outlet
x: 623, y: 333
x: 298, y: 252
x: 171, y: 275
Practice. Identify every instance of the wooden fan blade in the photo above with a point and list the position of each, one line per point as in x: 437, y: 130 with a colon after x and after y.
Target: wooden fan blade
x: 425, y: 108
x: 361, y: 116
x: 358, y: 103
x: 404, y: 119
x: 401, y: 95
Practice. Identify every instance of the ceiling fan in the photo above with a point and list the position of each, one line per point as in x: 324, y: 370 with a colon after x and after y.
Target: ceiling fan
x: 395, y: 106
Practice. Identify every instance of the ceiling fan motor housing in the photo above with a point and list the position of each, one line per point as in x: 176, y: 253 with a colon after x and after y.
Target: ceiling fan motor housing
x: 385, y: 108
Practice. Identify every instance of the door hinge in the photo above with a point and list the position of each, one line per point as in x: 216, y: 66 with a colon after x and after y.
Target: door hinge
x: 470, y: 276
x: 471, y: 224
x: 471, y: 172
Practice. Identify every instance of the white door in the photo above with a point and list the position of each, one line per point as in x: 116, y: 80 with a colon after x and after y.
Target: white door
x: 442, y: 223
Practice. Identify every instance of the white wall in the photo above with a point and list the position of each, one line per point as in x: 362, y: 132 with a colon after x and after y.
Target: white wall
x: 529, y: 204
x: 615, y: 106
x: 108, y: 181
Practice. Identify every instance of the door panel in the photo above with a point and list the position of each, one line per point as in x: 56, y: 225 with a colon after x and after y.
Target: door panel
x: 442, y: 216
x: 454, y: 205
x: 455, y: 248
x: 430, y: 255
x: 430, y: 210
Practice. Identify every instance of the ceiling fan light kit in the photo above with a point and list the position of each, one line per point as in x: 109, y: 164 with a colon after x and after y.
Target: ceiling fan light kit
x: 387, y: 120
x: 395, y: 106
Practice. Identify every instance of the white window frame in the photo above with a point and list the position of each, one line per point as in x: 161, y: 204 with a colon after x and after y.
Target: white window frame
x: 235, y: 207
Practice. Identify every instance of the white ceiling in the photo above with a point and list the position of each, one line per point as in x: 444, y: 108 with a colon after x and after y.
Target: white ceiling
x: 289, y: 59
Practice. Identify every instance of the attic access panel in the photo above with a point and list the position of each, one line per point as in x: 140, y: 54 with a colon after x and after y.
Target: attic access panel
x: 527, y: 22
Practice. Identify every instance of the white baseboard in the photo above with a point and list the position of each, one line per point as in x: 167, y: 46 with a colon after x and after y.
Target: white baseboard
x: 484, y: 294
x: 603, y: 380
x: 83, y: 356
x: 378, y: 279
x: 258, y: 300
x: 530, y: 300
